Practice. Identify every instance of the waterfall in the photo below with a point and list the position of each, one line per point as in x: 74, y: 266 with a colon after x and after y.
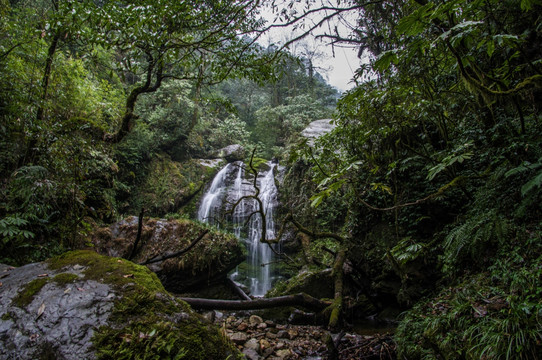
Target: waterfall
x: 229, y: 188
x: 260, y: 254
x: 211, y: 202
x: 240, y: 211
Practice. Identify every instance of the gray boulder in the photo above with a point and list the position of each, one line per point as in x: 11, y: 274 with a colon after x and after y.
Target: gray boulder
x: 82, y: 305
x: 232, y: 153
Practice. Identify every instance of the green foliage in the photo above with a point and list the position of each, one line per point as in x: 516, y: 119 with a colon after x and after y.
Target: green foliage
x: 493, y: 315
x: 440, y: 147
x: 474, y: 240
x: 407, y: 250
x: 137, y: 342
x: 534, y: 182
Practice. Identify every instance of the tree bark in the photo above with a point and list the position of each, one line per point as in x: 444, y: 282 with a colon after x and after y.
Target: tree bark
x: 336, y: 306
x: 138, y: 236
x: 129, y: 116
x: 301, y: 299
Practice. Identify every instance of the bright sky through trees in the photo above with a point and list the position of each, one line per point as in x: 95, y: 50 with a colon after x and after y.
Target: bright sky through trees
x: 337, y: 63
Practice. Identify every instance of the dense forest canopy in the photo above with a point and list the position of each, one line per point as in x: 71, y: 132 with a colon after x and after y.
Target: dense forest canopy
x: 430, y: 180
x: 92, y: 91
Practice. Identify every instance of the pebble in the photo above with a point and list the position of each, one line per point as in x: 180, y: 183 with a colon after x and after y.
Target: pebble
x: 238, y: 338
x: 242, y: 326
x: 252, y: 344
x: 254, y: 320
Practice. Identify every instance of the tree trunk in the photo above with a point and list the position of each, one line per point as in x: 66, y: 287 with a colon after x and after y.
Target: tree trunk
x: 302, y: 300
x: 336, y: 306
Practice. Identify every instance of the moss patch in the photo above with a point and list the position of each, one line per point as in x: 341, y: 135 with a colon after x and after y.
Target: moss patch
x: 65, y: 278
x: 27, y: 294
x: 117, y: 272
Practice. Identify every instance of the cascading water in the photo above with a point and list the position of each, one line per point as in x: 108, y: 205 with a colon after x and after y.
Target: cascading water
x: 212, y: 200
x: 260, y: 254
x: 227, y: 187
x: 239, y: 212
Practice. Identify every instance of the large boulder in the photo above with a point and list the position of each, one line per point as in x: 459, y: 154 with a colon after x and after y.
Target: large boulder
x: 232, y: 153
x: 82, y: 305
x: 211, y: 259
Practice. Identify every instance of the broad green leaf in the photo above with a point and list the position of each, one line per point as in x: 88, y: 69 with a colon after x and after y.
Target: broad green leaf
x: 385, y: 60
x: 416, y: 22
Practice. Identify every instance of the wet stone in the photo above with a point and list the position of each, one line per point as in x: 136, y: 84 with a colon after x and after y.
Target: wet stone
x: 261, y: 326
x: 242, y: 326
x: 255, y: 320
x: 238, y: 338
x: 252, y: 344
x: 251, y: 354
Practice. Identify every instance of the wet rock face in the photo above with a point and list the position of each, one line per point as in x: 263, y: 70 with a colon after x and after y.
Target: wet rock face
x: 86, y: 306
x: 211, y: 259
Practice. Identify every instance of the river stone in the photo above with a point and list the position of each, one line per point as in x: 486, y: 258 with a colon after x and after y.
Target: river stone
x: 242, y: 326
x: 61, y: 309
x: 284, y: 353
x: 264, y: 344
x: 255, y: 320
x: 251, y: 354
x: 252, y: 344
x: 239, y: 338
x: 283, y: 334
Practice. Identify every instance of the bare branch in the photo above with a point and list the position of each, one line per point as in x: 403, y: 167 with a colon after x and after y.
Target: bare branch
x: 178, y: 253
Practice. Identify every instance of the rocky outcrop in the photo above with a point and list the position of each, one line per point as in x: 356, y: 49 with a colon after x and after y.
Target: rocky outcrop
x: 209, y: 260
x: 232, y: 153
x: 317, y: 128
x: 82, y: 305
x: 172, y: 187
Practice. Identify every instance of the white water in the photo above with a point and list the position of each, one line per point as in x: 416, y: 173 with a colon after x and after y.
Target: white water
x: 222, y: 188
x: 210, y: 204
x: 260, y: 254
x: 240, y: 209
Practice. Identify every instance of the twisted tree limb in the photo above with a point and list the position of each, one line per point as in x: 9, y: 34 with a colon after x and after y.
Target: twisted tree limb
x: 175, y: 254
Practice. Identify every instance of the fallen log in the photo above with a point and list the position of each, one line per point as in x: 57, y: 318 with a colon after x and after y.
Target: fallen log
x: 301, y: 299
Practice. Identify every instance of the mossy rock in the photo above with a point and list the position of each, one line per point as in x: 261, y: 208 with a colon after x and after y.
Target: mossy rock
x: 82, y: 305
x: 212, y: 258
